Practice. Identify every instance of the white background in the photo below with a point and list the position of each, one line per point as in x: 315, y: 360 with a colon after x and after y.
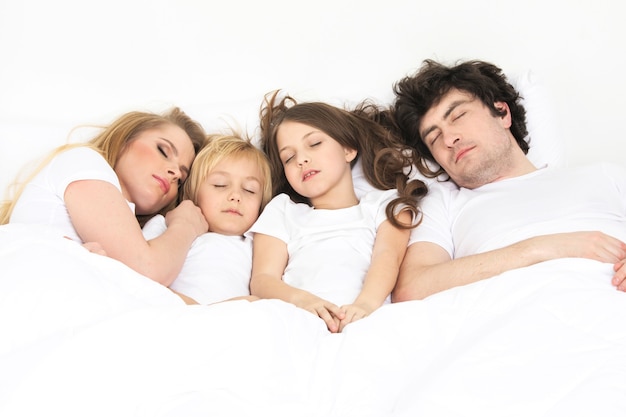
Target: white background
x: 70, y: 62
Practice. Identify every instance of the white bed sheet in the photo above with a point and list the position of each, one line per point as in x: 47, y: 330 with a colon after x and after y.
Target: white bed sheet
x: 81, y: 334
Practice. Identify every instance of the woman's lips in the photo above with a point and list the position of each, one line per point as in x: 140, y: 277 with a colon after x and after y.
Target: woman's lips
x: 165, y: 185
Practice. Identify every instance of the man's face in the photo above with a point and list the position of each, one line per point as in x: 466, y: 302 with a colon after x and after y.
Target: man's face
x: 471, y: 144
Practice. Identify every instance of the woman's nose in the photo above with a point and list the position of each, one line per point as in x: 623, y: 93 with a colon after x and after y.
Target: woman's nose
x: 174, y: 173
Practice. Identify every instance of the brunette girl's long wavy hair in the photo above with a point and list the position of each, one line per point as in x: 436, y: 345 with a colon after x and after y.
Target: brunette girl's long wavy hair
x: 387, y: 162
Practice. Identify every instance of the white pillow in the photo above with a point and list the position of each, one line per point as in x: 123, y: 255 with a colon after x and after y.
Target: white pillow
x: 546, y: 144
x: 23, y: 142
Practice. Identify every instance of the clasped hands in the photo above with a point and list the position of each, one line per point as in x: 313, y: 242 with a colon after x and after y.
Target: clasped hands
x: 335, y: 317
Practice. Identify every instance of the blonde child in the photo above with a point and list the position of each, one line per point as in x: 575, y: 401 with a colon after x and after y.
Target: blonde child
x: 317, y: 244
x: 230, y: 181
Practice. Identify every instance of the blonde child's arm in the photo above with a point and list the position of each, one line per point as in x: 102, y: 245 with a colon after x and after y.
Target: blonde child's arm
x: 269, y: 261
x: 387, y: 255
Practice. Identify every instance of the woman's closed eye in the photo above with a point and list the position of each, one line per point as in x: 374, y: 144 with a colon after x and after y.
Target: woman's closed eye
x: 162, y: 150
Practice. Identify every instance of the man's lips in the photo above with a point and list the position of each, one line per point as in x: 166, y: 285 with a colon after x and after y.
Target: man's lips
x: 308, y: 174
x: 462, y: 153
x: 165, y: 185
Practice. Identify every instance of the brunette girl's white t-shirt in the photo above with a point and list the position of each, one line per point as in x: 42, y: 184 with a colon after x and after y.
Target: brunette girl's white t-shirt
x: 329, y: 250
x: 43, y: 202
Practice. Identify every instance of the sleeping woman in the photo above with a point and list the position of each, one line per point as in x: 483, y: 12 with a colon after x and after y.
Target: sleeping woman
x: 103, y: 190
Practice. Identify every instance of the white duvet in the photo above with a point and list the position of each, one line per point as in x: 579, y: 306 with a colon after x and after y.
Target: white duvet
x: 82, y: 335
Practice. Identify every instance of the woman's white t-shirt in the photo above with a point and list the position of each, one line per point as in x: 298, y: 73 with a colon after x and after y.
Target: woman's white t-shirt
x: 43, y: 202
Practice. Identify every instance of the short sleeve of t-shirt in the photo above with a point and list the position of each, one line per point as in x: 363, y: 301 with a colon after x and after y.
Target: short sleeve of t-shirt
x: 435, y: 224
x: 43, y: 202
x: 271, y: 222
x: 81, y: 163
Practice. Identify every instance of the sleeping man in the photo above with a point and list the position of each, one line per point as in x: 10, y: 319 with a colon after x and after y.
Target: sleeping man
x: 499, y: 212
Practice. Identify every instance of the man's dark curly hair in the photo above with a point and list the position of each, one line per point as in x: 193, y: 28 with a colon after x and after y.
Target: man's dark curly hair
x: 417, y: 93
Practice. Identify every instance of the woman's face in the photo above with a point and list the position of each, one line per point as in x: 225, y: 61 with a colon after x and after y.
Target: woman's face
x: 153, y: 165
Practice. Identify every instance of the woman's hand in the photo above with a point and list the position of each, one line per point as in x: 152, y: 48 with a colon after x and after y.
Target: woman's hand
x: 189, y: 213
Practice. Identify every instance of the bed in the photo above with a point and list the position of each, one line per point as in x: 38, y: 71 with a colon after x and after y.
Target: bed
x: 81, y: 334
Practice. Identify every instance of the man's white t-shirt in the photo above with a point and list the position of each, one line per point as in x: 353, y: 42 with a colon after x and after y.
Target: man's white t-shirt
x: 330, y: 251
x: 546, y: 201
x: 43, y: 202
x: 217, y: 267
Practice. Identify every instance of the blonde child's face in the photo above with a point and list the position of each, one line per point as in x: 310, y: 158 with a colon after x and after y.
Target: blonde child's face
x: 230, y: 196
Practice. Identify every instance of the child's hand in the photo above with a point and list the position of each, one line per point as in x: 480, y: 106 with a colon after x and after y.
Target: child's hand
x: 619, y: 279
x: 327, y: 311
x: 94, y: 247
x: 354, y: 312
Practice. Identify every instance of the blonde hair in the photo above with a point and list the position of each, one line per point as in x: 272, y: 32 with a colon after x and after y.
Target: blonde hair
x: 219, y: 147
x: 110, y: 142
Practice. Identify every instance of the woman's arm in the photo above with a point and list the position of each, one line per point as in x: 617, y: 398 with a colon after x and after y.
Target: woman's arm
x: 100, y: 214
x: 269, y: 261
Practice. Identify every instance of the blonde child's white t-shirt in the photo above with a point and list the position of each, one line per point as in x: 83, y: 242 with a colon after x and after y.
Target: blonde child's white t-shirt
x: 217, y: 267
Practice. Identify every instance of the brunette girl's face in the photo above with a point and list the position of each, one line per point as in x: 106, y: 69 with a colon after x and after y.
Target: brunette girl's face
x: 153, y: 165
x: 315, y: 164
